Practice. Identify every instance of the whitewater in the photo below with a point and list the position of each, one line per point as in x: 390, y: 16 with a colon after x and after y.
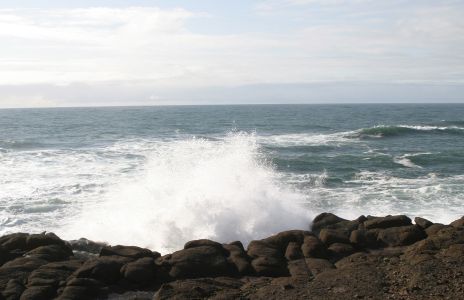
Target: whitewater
x: 158, y: 177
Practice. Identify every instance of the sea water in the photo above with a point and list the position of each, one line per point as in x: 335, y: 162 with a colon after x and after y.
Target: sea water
x: 160, y: 176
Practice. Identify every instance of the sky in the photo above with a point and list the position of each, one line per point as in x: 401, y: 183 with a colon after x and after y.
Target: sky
x: 98, y: 53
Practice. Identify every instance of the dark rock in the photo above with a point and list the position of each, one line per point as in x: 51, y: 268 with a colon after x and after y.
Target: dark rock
x: 19, y: 269
x: 363, y: 239
x: 401, y: 236
x: 313, y: 247
x: 432, y: 229
x: 205, y: 288
x: 6, y: 255
x: 53, y: 273
x: 238, y: 257
x: 323, y: 220
x: 339, y: 250
x: 293, y: 251
x: 38, y: 293
x: 14, y: 241
x: 262, y: 248
x: 132, y: 252
x: 105, y: 269
x: 455, y: 251
x: 318, y: 265
x: 85, y: 245
x: 458, y: 222
x: 387, y: 222
x: 282, y: 239
x: 13, y: 289
x: 141, y: 271
x: 51, y: 252
x: 269, y: 266
x: 203, y: 242
x: 330, y: 236
x: 44, y: 239
x: 202, y: 261
x: 422, y: 223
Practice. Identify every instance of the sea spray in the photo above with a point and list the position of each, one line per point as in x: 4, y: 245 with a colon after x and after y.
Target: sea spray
x: 223, y: 190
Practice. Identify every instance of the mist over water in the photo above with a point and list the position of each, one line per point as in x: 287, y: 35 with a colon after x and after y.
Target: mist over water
x: 158, y: 177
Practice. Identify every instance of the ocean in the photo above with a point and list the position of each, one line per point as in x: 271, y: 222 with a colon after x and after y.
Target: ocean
x: 160, y: 176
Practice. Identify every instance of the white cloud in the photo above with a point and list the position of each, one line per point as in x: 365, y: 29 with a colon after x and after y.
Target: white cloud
x: 151, y: 48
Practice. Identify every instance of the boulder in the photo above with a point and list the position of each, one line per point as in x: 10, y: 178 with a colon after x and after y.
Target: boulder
x: 282, y: 239
x: 401, y: 236
x: 53, y: 273
x: 141, y: 271
x: 269, y: 266
x: 434, y: 228
x: 81, y: 288
x: 267, y: 258
x: 51, y: 252
x: 330, y: 236
x: 340, y: 250
x: 293, y: 251
x: 201, y: 261
x: 364, y: 239
x: 422, y: 223
x: 105, y: 269
x: 13, y: 289
x: 38, y: 293
x: 132, y: 252
x: 458, y: 222
x: 387, y: 222
x: 85, y: 245
x: 203, y: 242
x: 238, y: 258
x: 313, y: 247
x: 204, y: 288
x: 318, y: 265
x: 323, y: 220
x: 19, y: 269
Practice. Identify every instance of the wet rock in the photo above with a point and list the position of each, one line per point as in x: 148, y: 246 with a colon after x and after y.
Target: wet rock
x: 105, y: 269
x: 323, y: 220
x: 38, y: 293
x: 269, y: 266
x: 82, y: 288
x: 340, y: 250
x: 364, y: 239
x: 205, y: 288
x: 53, y: 273
x: 330, y: 236
x: 85, y: 245
x: 458, y: 222
x: 313, y: 247
x: 141, y: 271
x: 203, y: 242
x: 238, y: 258
x: 318, y: 265
x: 267, y: 258
x: 422, y: 223
x: 432, y: 229
x: 387, y: 222
x: 51, y: 252
x: 401, y: 236
x: 19, y: 269
x: 13, y: 289
x: 132, y: 252
x: 202, y: 261
x: 282, y: 239
x: 293, y: 251
x: 455, y: 251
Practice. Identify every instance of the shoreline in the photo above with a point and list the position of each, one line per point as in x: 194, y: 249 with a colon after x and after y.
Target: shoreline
x: 367, y: 258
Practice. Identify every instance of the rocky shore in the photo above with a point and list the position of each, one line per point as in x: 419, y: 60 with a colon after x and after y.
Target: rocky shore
x: 367, y: 258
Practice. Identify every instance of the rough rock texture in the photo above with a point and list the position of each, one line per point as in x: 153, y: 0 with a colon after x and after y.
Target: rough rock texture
x: 367, y: 258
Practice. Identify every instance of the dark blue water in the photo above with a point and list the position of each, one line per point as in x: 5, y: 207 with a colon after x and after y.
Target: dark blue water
x: 349, y: 159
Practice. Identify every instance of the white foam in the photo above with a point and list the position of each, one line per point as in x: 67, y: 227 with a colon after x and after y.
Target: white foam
x: 308, y: 139
x: 191, y: 189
